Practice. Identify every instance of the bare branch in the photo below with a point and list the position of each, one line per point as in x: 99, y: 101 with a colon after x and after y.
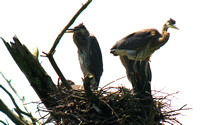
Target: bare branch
x: 34, y: 72
x: 67, y: 26
x: 10, y: 114
x: 49, y: 55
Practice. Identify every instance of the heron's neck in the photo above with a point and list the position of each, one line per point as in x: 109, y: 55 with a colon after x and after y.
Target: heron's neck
x: 81, y: 41
x: 164, y: 29
x: 165, y: 36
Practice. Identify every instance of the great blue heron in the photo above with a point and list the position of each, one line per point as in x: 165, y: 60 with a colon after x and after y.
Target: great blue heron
x: 89, y: 53
x: 140, y: 45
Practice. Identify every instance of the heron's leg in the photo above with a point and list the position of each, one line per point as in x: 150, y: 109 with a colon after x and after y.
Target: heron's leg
x: 135, y: 66
x: 146, y: 67
x: 136, y: 72
x: 94, y: 84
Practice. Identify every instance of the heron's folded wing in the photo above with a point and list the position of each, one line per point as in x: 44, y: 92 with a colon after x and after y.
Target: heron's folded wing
x: 137, y: 40
x: 95, y: 56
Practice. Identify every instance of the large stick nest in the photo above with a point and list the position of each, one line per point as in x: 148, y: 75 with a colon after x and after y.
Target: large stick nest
x: 116, y: 106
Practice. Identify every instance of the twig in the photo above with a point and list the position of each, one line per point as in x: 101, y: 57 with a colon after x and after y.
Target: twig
x: 3, y: 122
x: 113, y: 82
x: 10, y: 114
x: 14, y: 102
x: 9, y: 83
x: 57, y: 69
x: 52, y: 50
x: 68, y: 25
x: 43, y: 117
x: 17, y: 109
x: 22, y: 99
x: 113, y: 111
x: 180, y: 109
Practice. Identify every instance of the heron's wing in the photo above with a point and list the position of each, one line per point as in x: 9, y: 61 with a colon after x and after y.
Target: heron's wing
x: 95, y: 57
x: 137, y: 40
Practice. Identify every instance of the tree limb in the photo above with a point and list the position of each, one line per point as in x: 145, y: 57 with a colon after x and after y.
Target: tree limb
x: 17, y: 109
x: 67, y: 26
x: 10, y: 114
x: 14, y: 102
x: 49, y: 55
x: 34, y: 72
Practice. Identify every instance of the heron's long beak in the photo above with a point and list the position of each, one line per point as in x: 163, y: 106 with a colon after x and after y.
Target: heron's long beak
x: 70, y: 31
x: 175, y: 27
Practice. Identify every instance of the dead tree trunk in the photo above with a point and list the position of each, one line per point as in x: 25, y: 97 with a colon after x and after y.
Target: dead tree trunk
x: 34, y: 72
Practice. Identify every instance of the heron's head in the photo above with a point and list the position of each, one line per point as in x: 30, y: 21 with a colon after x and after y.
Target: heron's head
x: 170, y: 24
x: 80, y: 29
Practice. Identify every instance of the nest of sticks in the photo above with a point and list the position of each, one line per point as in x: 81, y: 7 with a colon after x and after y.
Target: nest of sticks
x: 115, y: 106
